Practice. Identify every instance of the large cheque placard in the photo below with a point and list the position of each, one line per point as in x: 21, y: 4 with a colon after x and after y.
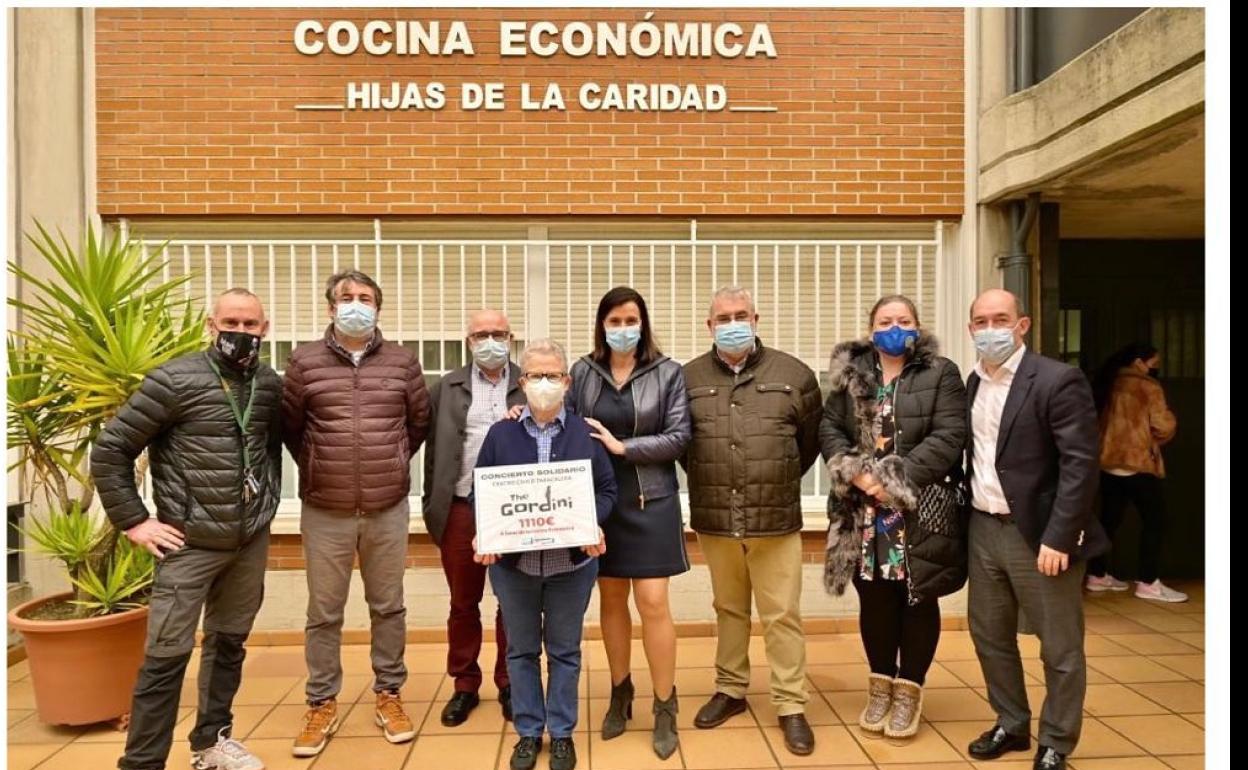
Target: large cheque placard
x: 535, y: 507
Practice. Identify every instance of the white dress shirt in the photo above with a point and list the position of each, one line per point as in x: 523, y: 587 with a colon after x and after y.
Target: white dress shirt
x: 986, y: 492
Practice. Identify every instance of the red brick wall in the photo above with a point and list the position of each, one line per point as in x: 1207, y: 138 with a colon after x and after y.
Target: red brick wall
x: 195, y: 115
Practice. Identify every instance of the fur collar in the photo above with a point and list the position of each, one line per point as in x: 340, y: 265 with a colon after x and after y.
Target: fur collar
x: 852, y: 365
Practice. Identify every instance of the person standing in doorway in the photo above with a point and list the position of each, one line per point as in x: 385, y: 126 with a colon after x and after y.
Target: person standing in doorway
x: 1135, y: 424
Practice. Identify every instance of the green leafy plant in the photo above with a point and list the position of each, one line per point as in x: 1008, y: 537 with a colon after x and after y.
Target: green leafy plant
x: 70, y: 538
x: 50, y: 452
x: 73, y: 538
x: 89, y: 335
x: 122, y: 587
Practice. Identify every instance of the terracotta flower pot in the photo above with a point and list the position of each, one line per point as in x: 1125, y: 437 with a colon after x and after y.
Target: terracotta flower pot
x: 83, y: 671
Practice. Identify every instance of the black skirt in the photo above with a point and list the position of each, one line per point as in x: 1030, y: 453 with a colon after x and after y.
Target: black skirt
x: 642, y: 541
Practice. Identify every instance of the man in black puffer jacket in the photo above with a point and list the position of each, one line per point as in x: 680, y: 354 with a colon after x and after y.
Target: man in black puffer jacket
x: 209, y: 421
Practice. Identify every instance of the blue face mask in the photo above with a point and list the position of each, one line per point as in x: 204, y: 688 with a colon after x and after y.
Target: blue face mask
x: 355, y: 319
x: 623, y: 339
x: 895, y: 341
x: 735, y: 337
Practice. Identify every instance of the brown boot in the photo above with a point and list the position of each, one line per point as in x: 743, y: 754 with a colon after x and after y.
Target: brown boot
x: 320, y: 722
x: 907, y: 705
x: 879, y: 701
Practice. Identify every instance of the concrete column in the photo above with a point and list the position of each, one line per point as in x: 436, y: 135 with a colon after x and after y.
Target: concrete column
x: 50, y: 150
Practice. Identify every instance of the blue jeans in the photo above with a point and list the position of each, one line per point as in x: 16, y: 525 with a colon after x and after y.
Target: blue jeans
x: 551, y: 610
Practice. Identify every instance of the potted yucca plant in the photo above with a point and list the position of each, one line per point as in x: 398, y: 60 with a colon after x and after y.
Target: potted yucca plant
x: 89, y: 336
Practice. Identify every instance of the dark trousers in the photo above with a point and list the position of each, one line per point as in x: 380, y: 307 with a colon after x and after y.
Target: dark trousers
x: 227, y: 586
x: 466, y: 579
x: 892, y: 629
x: 1144, y: 491
x: 1003, y: 578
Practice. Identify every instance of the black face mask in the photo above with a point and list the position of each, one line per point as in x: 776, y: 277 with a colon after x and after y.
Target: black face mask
x: 1154, y: 373
x: 238, y: 349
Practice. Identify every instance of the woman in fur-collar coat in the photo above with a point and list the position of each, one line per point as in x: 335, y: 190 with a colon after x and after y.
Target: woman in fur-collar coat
x: 894, y: 424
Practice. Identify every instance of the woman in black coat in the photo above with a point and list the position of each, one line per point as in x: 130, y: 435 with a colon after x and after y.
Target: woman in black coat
x: 893, y: 432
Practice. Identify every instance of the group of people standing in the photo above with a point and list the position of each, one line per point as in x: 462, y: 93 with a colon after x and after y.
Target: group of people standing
x: 931, y: 480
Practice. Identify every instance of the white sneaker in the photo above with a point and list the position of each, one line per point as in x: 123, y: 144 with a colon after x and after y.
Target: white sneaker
x: 228, y: 754
x: 1159, y: 592
x: 1107, y: 583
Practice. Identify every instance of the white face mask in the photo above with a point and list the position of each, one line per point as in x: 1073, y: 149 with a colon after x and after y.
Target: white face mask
x: 996, y: 345
x: 544, y: 395
x: 355, y: 319
x: 490, y: 353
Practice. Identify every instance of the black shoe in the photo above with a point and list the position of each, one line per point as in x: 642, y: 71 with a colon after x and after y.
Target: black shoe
x: 719, y: 709
x: 1047, y: 758
x: 524, y: 754
x: 996, y: 742
x: 504, y: 700
x: 562, y: 754
x: 798, y: 737
x: 457, y: 709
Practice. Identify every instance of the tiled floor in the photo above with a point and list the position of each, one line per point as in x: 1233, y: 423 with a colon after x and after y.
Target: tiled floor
x: 1144, y: 708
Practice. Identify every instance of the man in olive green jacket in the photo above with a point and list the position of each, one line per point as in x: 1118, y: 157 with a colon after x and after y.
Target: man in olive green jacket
x: 756, y: 415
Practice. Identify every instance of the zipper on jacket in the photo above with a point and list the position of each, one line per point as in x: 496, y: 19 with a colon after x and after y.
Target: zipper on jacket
x: 737, y: 531
x: 641, y: 492
x: 355, y: 433
x: 242, y: 435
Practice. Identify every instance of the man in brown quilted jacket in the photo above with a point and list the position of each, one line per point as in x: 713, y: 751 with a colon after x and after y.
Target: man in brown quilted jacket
x: 756, y: 413
x: 354, y: 411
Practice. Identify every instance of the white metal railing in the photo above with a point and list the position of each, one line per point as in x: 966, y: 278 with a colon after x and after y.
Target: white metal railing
x: 811, y: 294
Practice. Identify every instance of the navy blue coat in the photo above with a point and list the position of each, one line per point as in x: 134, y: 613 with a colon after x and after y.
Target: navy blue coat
x: 1048, y: 456
x: 508, y: 443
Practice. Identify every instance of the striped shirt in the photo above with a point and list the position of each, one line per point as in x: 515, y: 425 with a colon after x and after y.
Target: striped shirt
x: 555, y: 561
x: 489, y: 405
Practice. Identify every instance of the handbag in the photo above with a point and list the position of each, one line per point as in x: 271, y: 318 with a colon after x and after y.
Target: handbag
x: 943, y: 506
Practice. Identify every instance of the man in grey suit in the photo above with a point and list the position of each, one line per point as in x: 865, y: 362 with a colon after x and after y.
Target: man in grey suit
x: 1034, y: 471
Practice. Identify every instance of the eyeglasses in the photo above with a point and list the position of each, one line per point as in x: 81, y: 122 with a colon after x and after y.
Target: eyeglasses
x: 497, y: 336
x: 551, y: 377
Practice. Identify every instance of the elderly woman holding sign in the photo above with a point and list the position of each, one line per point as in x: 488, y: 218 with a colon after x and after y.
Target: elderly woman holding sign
x: 538, y: 529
